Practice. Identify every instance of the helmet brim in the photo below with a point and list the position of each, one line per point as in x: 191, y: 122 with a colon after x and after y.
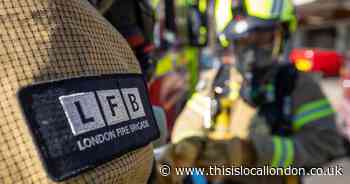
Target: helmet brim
x: 241, y: 28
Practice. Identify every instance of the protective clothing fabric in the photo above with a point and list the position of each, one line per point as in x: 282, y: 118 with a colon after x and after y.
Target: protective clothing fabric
x: 135, y: 20
x: 196, y: 117
x: 282, y: 10
x: 269, y: 85
x: 314, y: 137
x: 45, y: 40
x: 185, y: 153
x: 102, y: 5
x: 197, y: 22
x: 223, y: 16
x: 313, y: 142
x: 235, y: 152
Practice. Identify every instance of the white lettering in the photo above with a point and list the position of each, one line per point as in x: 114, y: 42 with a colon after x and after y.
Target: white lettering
x: 84, y: 115
x: 96, y: 140
x: 123, y: 131
x: 82, y: 112
x: 133, y: 102
x: 139, y: 126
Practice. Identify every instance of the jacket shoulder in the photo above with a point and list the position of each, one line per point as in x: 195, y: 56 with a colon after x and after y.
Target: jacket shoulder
x: 310, y: 106
x: 307, y: 89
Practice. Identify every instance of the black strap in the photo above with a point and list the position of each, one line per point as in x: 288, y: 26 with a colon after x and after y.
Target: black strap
x: 278, y: 114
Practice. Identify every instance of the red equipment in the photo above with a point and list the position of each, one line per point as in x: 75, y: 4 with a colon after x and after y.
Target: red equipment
x: 317, y: 60
x: 169, y: 92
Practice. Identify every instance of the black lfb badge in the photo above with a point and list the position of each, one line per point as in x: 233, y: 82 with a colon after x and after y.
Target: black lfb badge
x: 81, y: 123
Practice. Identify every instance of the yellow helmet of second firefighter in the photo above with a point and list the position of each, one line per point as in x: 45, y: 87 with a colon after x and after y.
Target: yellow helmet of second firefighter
x: 257, y: 13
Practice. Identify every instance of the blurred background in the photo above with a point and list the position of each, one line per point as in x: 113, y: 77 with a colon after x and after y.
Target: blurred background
x: 325, y: 24
x: 190, y: 51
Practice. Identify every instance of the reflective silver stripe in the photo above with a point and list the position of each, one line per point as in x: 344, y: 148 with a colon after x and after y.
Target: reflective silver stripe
x: 277, y: 7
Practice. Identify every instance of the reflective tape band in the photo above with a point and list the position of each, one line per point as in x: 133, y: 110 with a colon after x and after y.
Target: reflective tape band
x: 311, y: 112
x: 269, y: 87
x: 312, y: 117
x: 277, y: 8
x: 290, y: 153
x: 312, y: 105
x: 274, y: 7
x: 277, y: 144
x: 202, y: 35
x: 280, y: 8
x: 283, y: 152
x: 223, y: 41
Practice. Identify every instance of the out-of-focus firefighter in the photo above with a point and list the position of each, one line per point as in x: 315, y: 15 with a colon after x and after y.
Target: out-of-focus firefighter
x: 208, y: 111
x: 211, y: 105
x: 178, y: 50
x: 294, y: 123
x: 218, y: 80
x: 197, y: 22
